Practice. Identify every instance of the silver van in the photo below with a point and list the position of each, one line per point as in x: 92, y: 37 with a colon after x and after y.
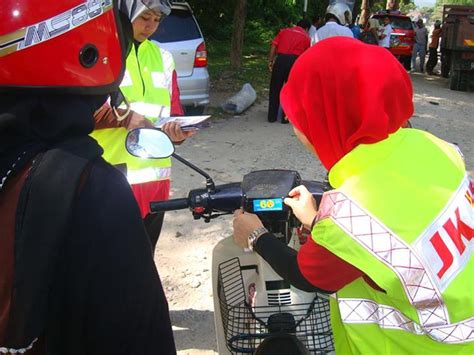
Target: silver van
x: 179, y: 33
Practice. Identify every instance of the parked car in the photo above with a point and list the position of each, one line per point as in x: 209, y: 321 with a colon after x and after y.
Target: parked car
x: 402, y: 39
x: 179, y: 33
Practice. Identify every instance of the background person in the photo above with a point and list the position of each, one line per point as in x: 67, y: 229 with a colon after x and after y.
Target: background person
x: 370, y: 34
x: 355, y: 28
x: 77, y: 274
x: 373, y: 236
x: 384, y: 37
x: 338, y: 17
x: 419, y: 48
x: 286, y: 47
x: 315, y: 23
x: 150, y: 86
x: 433, y: 48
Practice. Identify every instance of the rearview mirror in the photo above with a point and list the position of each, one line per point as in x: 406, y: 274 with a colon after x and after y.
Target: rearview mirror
x: 149, y: 143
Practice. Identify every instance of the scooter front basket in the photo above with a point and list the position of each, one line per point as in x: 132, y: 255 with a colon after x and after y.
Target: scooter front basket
x: 246, y: 327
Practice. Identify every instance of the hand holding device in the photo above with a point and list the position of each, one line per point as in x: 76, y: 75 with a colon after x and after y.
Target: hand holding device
x: 303, y: 205
x: 244, y: 225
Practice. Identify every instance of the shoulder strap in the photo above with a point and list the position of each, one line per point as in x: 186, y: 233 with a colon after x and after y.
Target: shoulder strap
x: 44, y: 211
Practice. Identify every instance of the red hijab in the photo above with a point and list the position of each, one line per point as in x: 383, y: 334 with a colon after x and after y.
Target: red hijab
x: 342, y: 93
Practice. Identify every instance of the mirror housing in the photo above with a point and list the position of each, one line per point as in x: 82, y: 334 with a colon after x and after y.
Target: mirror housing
x: 149, y: 143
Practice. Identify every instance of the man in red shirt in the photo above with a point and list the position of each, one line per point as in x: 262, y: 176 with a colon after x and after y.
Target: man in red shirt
x: 286, y: 47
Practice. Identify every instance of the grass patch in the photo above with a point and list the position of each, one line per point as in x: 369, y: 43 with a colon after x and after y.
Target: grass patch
x: 225, y: 79
x: 217, y: 113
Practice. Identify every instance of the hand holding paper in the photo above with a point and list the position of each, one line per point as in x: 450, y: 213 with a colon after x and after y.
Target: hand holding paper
x: 176, y: 134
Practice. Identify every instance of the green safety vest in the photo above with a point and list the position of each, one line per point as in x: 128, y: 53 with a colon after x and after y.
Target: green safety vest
x: 402, y: 212
x: 147, y: 87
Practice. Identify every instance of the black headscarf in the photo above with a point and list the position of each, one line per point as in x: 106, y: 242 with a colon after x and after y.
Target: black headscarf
x: 31, y: 123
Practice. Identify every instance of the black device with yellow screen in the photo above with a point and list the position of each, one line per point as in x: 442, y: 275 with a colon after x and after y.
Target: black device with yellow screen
x: 263, y: 193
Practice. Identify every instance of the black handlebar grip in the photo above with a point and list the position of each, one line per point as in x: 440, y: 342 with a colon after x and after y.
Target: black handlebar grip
x: 170, y: 205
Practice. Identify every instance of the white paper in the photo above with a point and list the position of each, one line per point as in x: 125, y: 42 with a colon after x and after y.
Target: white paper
x: 185, y: 122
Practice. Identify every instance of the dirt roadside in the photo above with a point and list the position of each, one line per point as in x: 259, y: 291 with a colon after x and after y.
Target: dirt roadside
x: 233, y: 147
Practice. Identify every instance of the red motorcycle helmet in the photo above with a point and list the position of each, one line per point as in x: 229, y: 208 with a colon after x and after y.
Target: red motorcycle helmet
x: 68, y: 46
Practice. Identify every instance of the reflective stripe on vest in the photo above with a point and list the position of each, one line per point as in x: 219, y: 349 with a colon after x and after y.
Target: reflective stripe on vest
x: 411, y: 264
x: 364, y: 311
x: 148, y: 174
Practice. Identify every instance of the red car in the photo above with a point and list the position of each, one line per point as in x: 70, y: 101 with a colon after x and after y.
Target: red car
x: 403, y: 35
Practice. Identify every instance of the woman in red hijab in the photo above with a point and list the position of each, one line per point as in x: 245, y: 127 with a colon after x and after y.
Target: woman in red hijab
x: 381, y: 238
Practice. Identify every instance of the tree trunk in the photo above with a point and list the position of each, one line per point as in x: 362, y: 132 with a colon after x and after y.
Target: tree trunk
x: 364, y: 12
x: 240, y: 13
x: 393, y: 5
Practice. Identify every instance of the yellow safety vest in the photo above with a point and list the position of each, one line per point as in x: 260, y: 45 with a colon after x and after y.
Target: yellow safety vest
x: 147, y: 85
x: 402, y: 212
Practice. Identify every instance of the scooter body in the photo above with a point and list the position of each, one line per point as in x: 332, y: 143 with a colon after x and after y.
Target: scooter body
x: 251, y: 301
x: 248, y: 295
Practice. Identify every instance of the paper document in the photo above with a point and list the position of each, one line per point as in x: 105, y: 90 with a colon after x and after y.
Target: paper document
x: 187, y: 123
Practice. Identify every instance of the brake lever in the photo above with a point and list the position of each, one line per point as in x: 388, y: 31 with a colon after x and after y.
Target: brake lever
x: 216, y: 215
x: 208, y: 216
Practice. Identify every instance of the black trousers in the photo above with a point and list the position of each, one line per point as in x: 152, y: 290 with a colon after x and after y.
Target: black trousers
x: 432, y: 59
x: 281, y: 70
x: 153, y: 224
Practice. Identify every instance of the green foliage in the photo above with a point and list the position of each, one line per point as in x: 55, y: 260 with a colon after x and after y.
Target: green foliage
x: 428, y: 11
x: 254, y: 67
x: 406, y: 8
x: 256, y: 33
x: 454, y: 2
x: 377, y: 6
x: 405, y: 5
x: 318, y: 8
x: 264, y: 17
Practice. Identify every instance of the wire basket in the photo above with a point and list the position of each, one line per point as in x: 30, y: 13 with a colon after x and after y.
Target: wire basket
x: 246, y: 327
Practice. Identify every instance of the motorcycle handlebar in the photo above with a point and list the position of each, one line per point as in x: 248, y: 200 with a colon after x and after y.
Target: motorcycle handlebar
x: 170, y: 205
x: 226, y: 198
